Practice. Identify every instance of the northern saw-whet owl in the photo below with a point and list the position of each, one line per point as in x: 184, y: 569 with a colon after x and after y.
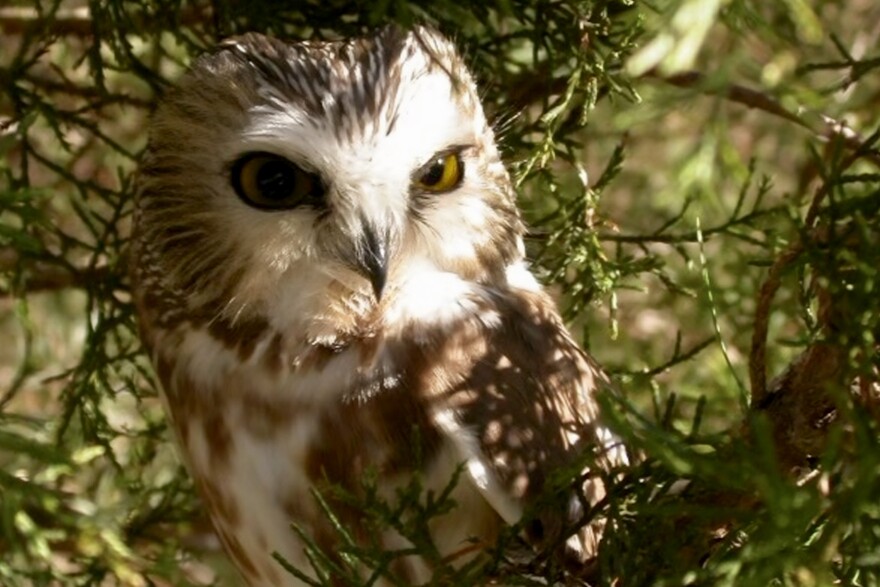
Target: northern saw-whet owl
x: 330, y: 280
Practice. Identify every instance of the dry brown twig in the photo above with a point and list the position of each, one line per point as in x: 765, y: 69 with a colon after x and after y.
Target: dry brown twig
x: 78, y: 21
x: 811, y: 367
x: 758, y: 354
x: 43, y: 276
x: 71, y: 21
x: 802, y: 402
x: 831, y: 130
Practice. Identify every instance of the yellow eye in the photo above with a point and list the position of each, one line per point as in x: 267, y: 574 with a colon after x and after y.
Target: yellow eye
x: 443, y: 174
x: 264, y: 180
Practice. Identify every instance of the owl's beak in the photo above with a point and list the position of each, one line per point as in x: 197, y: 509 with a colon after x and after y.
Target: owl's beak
x: 372, y: 258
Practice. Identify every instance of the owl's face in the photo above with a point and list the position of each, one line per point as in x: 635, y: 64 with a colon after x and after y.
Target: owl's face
x: 324, y: 180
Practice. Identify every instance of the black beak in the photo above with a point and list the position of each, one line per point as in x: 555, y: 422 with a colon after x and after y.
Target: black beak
x: 372, y: 259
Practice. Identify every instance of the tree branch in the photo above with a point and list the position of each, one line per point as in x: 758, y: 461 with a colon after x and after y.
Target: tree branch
x: 42, y: 276
x: 21, y: 19
x: 832, y: 130
x: 77, y: 22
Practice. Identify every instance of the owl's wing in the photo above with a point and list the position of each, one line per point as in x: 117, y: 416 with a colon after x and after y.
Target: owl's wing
x: 516, y: 396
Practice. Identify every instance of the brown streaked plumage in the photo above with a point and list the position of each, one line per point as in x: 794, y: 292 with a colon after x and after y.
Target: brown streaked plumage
x: 329, y: 277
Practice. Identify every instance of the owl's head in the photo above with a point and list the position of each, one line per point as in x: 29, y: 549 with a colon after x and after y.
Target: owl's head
x: 321, y: 178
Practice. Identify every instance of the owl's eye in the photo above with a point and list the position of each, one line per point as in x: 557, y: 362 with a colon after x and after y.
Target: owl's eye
x: 264, y: 180
x: 442, y: 174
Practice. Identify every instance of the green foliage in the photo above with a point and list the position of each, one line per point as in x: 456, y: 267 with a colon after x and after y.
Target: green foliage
x: 361, y: 560
x: 701, y: 183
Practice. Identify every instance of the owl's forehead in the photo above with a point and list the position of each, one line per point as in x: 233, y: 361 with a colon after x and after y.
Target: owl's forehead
x: 355, y: 88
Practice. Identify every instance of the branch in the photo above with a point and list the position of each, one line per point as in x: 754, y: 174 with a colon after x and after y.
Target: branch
x: 687, y: 237
x: 21, y: 19
x: 832, y: 131
x: 69, y: 88
x: 78, y: 22
x: 758, y: 354
x: 46, y: 276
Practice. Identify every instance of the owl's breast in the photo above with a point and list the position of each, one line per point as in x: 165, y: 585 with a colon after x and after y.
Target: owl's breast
x: 260, y: 433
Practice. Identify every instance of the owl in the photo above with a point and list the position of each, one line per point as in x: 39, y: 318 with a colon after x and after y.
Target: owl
x: 330, y: 280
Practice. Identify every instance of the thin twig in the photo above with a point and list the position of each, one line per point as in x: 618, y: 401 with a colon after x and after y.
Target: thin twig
x: 20, y: 19
x: 758, y: 351
x: 833, y: 130
x: 687, y: 237
x: 758, y: 354
x: 69, y: 88
x: 78, y: 22
x: 43, y: 276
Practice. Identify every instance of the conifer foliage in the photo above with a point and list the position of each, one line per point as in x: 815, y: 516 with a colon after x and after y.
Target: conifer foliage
x: 701, y: 180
